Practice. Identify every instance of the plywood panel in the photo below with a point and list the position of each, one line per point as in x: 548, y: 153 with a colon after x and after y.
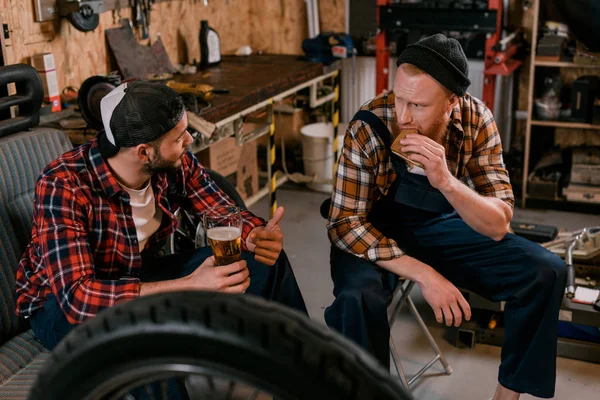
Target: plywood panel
x: 272, y: 26
x: 278, y: 26
x: 79, y: 55
x: 332, y: 15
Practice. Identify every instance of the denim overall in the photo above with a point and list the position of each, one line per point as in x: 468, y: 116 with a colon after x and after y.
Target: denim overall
x: 529, y: 278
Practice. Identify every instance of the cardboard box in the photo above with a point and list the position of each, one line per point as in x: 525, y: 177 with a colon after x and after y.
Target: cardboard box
x: 43, y: 62
x: 238, y: 164
x: 44, y: 65
x: 222, y: 156
x: 288, y: 121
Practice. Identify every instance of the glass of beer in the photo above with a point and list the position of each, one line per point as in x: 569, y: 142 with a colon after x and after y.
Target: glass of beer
x: 223, y: 226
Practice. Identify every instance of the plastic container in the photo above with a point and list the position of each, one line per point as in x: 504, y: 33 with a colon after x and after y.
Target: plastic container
x: 210, y: 45
x: 317, y: 150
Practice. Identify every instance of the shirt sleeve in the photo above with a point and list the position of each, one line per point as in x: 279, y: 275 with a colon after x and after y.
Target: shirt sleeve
x: 61, y: 216
x: 353, y: 194
x: 204, y: 193
x: 486, y: 166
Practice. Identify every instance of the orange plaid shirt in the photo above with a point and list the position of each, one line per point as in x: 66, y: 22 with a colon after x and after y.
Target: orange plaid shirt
x: 365, y: 172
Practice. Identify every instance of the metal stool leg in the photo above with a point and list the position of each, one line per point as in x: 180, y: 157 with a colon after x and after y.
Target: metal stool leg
x: 398, y: 366
x: 430, y: 338
x: 402, y: 295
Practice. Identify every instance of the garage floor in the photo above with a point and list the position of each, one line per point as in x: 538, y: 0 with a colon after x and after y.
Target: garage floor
x: 475, y: 370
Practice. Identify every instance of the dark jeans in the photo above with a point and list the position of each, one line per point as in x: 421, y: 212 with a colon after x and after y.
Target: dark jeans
x: 528, y: 277
x: 276, y: 283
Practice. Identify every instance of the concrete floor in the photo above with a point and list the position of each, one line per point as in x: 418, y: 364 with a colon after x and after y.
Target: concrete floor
x: 475, y: 370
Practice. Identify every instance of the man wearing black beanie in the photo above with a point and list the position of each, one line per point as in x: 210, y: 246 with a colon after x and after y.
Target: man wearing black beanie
x: 421, y: 192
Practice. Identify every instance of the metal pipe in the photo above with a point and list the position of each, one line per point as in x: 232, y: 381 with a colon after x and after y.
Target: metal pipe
x: 422, y: 370
x: 570, y: 289
x: 427, y: 334
x: 399, y: 368
x: 398, y: 304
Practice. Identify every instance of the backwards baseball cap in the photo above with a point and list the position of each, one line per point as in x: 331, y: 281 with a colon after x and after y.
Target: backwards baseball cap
x: 442, y: 58
x: 139, y: 112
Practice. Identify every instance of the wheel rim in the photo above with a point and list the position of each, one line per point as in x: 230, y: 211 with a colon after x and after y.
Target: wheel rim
x: 201, y: 382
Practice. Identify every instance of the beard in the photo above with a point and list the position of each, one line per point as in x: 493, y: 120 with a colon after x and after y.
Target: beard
x: 161, y: 165
x: 436, y: 132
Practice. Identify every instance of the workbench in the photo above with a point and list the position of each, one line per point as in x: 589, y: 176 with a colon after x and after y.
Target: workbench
x: 256, y: 82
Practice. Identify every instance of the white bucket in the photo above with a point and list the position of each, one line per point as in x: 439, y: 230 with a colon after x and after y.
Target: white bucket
x: 317, y: 152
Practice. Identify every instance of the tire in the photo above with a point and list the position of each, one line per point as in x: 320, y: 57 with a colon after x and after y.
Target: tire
x: 244, y: 337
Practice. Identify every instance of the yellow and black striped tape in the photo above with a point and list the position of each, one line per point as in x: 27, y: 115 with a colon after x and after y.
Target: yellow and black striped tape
x: 273, y: 205
x: 336, y: 118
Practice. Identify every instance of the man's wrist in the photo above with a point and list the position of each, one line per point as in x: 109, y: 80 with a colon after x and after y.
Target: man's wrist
x: 450, y: 186
x: 421, y: 275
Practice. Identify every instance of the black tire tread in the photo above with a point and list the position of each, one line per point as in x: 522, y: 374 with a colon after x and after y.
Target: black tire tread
x: 324, y: 355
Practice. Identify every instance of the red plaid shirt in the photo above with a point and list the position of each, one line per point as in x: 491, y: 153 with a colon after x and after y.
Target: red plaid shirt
x: 84, y: 246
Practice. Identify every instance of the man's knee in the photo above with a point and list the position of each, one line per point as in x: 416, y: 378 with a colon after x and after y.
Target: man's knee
x: 550, y: 270
x: 370, y: 299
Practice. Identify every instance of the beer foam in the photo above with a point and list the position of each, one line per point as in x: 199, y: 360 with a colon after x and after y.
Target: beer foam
x: 224, y: 233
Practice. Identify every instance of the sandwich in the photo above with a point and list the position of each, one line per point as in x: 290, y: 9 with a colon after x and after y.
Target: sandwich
x: 396, y: 147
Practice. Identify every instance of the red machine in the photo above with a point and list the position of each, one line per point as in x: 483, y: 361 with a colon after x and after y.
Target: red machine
x: 498, y: 53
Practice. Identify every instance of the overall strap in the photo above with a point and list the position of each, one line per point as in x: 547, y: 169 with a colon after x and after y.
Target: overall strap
x: 381, y: 130
x: 376, y: 125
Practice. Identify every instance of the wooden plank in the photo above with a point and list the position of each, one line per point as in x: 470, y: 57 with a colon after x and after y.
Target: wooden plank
x: 79, y: 55
x: 564, y: 64
x: 280, y: 26
x: 332, y: 15
x: 251, y: 80
x: 48, y: 9
x: 534, y: 32
x: 559, y: 124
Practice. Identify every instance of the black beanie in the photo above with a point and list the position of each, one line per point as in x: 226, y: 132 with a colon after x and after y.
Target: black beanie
x: 442, y: 58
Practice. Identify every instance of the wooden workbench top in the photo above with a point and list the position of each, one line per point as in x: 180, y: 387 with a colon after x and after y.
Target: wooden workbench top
x: 252, y: 79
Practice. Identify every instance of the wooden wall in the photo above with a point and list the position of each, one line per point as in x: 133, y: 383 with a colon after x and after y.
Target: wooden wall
x: 280, y: 26
x: 272, y: 26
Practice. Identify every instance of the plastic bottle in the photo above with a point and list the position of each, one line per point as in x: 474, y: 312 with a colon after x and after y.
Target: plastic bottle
x: 210, y: 45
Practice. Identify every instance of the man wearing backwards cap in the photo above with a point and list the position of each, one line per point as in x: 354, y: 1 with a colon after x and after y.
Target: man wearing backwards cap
x: 102, y: 209
x: 441, y: 225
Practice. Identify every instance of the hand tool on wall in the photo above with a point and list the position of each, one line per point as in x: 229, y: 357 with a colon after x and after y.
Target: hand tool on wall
x: 147, y: 10
x: 117, y: 13
x: 141, y: 16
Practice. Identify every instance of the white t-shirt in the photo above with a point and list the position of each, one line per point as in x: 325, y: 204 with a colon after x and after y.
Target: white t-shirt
x: 146, y: 215
x: 413, y: 169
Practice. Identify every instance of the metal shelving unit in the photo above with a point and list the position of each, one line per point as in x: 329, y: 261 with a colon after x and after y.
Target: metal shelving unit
x: 531, y: 121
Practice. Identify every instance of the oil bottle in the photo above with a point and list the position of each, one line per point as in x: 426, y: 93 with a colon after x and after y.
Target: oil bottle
x: 210, y: 45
